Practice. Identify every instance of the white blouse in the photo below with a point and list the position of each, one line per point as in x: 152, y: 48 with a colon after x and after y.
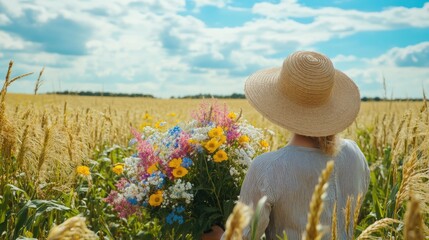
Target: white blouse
x: 288, y: 177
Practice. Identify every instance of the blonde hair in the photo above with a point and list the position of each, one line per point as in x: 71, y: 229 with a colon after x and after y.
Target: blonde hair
x: 328, y: 144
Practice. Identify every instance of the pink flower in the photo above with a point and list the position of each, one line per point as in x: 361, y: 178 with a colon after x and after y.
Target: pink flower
x: 121, y: 183
x: 121, y: 205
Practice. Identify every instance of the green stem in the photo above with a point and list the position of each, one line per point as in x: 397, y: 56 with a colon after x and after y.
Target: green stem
x: 214, y: 187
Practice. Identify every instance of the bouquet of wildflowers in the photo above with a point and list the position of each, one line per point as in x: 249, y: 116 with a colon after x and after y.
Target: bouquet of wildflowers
x: 189, y: 176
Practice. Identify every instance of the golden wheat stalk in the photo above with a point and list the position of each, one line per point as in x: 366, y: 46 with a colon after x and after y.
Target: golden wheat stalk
x: 334, y: 223
x: 9, y: 81
x: 39, y: 81
x: 357, y: 210
x: 237, y: 221
x: 72, y: 228
x: 414, y: 226
x: 407, y: 172
x: 316, y: 205
x: 347, y: 211
x: 377, y: 226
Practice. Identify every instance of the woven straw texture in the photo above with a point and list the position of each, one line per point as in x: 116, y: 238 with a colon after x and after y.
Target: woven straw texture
x: 307, y: 95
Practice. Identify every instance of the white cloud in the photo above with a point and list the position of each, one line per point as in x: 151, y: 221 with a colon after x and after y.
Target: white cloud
x: 346, y: 21
x: 414, y: 55
x: 151, y: 46
x: 9, y: 42
x: 215, y: 3
x: 402, y: 80
x: 344, y: 58
x: 4, y: 19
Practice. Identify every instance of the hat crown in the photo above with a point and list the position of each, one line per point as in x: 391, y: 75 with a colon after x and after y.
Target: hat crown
x: 307, y: 78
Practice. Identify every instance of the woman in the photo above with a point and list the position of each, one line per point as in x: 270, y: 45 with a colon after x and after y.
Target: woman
x: 314, y: 101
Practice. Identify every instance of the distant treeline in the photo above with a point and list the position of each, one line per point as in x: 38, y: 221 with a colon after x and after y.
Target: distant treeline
x: 206, y: 96
x: 107, y: 94
x: 200, y: 96
x: 378, y: 99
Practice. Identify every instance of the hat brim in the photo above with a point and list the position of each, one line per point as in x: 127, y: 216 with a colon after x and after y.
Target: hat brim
x: 330, y: 118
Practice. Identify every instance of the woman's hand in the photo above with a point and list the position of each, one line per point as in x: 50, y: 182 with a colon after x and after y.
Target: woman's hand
x: 214, y: 234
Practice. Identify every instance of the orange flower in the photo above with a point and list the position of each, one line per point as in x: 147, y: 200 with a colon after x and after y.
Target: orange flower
x: 156, y: 199
x: 220, y: 156
x: 175, y: 163
x: 180, y: 172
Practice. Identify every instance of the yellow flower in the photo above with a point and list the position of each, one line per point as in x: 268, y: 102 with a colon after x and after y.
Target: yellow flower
x: 222, y: 139
x: 145, y: 124
x: 175, y: 163
x: 264, y: 143
x: 212, y: 145
x: 156, y: 199
x: 232, y: 115
x: 180, y: 172
x: 159, y: 125
x: 192, y: 141
x: 118, y: 168
x: 152, y: 168
x: 83, y: 170
x: 216, y: 132
x: 172, y: 114
x: 147, y: 116
x: 220, y: 156
x: 243, y: 139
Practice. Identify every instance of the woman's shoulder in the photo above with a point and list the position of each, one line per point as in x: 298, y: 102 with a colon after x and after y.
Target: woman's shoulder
x: 349, y: 145
x: 266, y: 159
x: 351, y: 152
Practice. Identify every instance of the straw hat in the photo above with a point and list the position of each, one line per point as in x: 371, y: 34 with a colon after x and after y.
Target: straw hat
x: 307, y: 95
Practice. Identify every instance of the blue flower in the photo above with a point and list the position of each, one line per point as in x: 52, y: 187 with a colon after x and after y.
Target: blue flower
x: 169, y: 218
x: 174, y: 131
x: 186, y: 162
x: 178, y: 218
x: 133, y: 201
x: 144, y: 204
x: 135, y: 155
x: 179, y: 209
x: 161, y: 184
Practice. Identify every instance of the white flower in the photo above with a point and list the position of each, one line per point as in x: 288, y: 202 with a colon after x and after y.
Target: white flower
x: 243, y: 156
x: 233, y: 171
x: 179, y: 191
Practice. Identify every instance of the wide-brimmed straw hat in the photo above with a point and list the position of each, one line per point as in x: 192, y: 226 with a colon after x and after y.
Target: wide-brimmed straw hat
x: 307, y: 95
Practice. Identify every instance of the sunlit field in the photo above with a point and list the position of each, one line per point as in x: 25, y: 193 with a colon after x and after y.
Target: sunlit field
x: 44, y: 138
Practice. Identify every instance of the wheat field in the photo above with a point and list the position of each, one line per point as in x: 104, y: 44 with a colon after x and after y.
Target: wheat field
x: 45, y: 137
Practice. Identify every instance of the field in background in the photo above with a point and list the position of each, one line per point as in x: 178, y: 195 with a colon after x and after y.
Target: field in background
x: 45, y: 137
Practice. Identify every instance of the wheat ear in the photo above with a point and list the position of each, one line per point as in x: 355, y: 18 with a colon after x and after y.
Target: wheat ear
x: 316, y: 205
x: 237, y: 221
x: 72, y: 228
x: 414, y: 226
x: 334, y: 223
x: 377, y: 226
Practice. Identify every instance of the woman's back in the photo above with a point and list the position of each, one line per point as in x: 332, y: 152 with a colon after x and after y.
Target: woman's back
x: 288, y: 177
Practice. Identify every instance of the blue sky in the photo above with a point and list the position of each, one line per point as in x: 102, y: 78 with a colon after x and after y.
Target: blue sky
x: 183, y: 47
